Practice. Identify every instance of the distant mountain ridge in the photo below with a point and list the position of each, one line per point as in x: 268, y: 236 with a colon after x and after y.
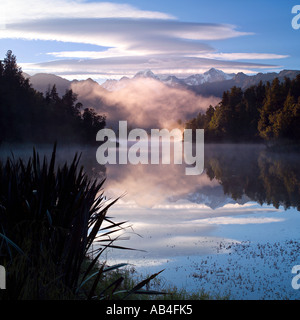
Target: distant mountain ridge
x: 210, y: 76
x: 242, y: 81
x: 211, y: 83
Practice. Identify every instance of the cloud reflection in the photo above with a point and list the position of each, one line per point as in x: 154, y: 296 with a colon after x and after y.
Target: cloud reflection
x: 166, y: 225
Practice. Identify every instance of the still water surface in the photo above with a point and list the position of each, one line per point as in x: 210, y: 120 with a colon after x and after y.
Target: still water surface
x: 232, y: 230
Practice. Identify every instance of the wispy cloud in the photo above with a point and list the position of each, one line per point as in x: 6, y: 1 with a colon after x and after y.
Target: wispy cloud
x: 144, y: 35
x: 32, y: 10
x: 129, y: 39
x: 242, y: 56
x: 239, y: 220
x: 118, y: 66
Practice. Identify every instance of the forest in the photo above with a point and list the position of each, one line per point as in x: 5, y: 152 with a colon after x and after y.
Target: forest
x: 266, y: 112
x: 29, y: 116
x: 262, y: 113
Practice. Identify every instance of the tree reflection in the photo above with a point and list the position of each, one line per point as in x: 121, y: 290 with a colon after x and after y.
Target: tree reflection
x: 265, y: 177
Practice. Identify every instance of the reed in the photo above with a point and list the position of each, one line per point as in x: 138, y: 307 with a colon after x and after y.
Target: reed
x: 52, y: 218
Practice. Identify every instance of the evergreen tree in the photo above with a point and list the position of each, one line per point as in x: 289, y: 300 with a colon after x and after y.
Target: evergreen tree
x: 268, y: 111
x: 28, y: 116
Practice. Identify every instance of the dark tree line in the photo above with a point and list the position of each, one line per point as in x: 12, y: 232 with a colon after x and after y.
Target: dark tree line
x: 27, y: 115
x: 265, y: 112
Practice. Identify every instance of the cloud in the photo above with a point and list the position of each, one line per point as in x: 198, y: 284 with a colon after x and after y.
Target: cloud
x: 113, y: 52
x: 240, y: 220
x: 129, y: 39
x: 145, y: 187
x: 123, y: 38
x: 243, y: 56
x: 32, y: 10
x: 145, y: 103
x: 119, y: 66
x: 148, y: 35
x: 192, y: 229
x: 127, y: 46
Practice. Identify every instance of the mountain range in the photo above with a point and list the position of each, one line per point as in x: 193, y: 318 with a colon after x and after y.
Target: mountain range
x: 210, y: 76
x: 211, y: 83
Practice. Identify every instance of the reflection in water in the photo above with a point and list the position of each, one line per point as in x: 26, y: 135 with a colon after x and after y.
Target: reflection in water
x: 262, y: 176
x: 181, y: 221
x: 233, y: 174
x: 241, y: 173
x: 235, y: 219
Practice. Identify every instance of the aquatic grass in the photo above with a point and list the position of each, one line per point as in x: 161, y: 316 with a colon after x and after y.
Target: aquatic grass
x: 50, y: 217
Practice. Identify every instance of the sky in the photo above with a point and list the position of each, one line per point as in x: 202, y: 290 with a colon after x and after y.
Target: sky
x: 80, y: 39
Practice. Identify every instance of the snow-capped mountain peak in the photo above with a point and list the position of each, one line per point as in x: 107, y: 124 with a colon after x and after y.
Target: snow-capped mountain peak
x: 146, y: 74
x: 212, y: 75
x: 195, y: 80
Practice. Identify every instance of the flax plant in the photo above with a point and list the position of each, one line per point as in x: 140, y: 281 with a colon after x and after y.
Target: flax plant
x: 51, y: 217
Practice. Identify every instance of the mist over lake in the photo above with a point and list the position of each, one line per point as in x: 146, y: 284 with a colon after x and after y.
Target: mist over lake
x: 232, y: 230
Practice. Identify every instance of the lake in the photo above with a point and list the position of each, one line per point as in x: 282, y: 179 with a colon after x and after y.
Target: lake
x: 232, y: 230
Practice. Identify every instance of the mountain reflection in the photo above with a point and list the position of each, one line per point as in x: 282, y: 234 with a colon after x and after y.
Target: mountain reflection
x: 233, y: 174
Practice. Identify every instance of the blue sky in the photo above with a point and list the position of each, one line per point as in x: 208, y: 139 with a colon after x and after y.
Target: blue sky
x: 81, y: 39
